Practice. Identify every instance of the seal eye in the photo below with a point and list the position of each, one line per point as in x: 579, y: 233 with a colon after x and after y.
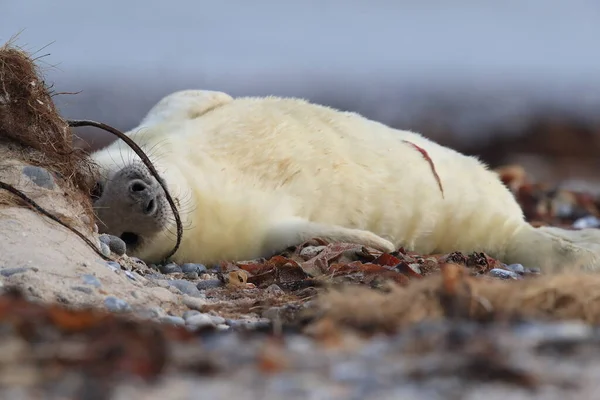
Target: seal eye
x: 97, y: 190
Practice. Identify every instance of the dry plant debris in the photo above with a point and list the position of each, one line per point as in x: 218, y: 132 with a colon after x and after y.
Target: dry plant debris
x: 30, y: 122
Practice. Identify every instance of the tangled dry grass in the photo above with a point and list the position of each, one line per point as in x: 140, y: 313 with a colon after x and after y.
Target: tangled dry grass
x: 32, y: 131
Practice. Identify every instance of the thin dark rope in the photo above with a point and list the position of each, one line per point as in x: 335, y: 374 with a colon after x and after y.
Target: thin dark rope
x: 39, y: 209
x: 147, y: 163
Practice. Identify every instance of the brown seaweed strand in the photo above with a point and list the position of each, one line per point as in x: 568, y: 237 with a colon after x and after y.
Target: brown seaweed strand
x: 147, y: 163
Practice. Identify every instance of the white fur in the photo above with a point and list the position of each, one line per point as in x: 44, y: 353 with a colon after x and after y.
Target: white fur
x: 263, y: 173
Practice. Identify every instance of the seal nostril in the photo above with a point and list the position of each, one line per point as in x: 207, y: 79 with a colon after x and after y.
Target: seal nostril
x: 131, y: 239
x: 150, y: 207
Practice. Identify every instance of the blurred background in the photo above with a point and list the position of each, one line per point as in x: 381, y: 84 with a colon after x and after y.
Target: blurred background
x: 513, y: 81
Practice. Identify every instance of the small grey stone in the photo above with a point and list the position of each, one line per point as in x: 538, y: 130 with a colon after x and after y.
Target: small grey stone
x: 194, y: 303
x: 90, y: 279
x: 186, y: 287
x: 190, y: 267
x: 587, y: 222
x: 173, y: 320
x: 274, y: 290
x: 115, y: 266
x: 146, y: 314
x: 85, y: 219
x: 116, y: 305
x: 104, y: 238
x: 190, y: 313
x: 169, y: 268
x: 83, y: 289
x: 209, y: 284
x: 191, y: 276
x: 200, y: 321
x: 105, y: 249
x: 503, y: 274
x: 222, y: 327
x: 114, y: 243
x: 130, y: 275
x: 518, y: 268
x: 217, y: 320
x: 157, y: 278
x: 13, y: 271
x: 311, y: 251
x: 117, y: 246
x: 39, y: 176
x: 248, y: 324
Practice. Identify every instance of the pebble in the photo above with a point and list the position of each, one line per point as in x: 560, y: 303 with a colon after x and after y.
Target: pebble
x: 83, y: 289
x: 274, y: 290
x: 90, y: 279
x: 559, y: 331
x: 173, y: 320
x: 587, y: 222
x: 195, y: 303
x: 116, y: 305
x: 222, y: 327
x: 190, y: 267
x: 39, y: 176
x: 209, y: 284
x: 163, y: 295
x: 249, y: 324
x: 115, y: 244
x: 192, y: 276
x: 217, y: 320
x: 115, y: 266
x: 311, y: 251
x: 13, y: 271
x: 169, y: 268
x: 503, y: 274
x: 200, y: 321
x: 186, y: 287
x: 151, y: 313
x: 131, y: 276
x: 190, y: 313
x: 517, y: 268
x: 159, y: 282
x: 104, y: 249
x: 104, y: 238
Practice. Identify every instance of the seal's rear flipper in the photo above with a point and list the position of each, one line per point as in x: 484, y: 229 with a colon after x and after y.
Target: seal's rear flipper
x: 554, y: 249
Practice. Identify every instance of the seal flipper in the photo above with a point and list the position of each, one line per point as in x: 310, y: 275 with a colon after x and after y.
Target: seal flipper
x: 294, y: 231
x: 553, y: 249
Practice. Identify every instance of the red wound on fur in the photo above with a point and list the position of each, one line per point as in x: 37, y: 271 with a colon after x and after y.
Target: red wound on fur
x: 426, y: 157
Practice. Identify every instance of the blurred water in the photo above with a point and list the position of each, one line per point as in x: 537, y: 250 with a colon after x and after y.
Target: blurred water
x: 475, y: 62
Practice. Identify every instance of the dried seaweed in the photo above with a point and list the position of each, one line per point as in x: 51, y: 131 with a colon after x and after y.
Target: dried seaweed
x: 28, y: 117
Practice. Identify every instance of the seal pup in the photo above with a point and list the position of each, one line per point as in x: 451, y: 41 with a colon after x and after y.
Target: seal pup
x: 255, y: 175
